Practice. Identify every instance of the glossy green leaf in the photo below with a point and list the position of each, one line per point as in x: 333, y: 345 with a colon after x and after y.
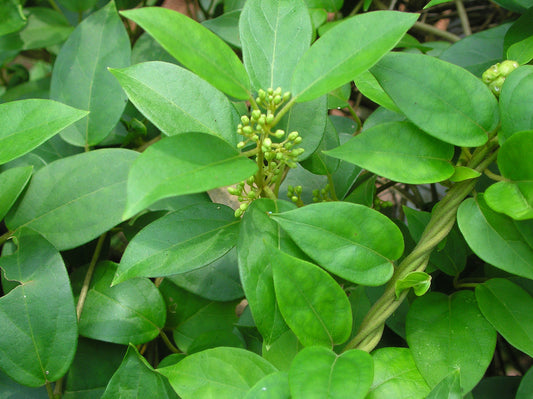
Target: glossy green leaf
x: 12, y: 182
x: 526, y: 386
x: 449, y: 333
x: 180, y: 242
x: 272, y: 386
x: 412, y: 157
x: 135, y: 378
x: 448, y: 388
x: 346, y: 50
x: 518, y: 41
x: 45, y: 28
x: 519, y: 6
x: 496, y: 238
x: 196, y: 47
x: 132, y: 312
x: 226, y: 26
x: 77, y: 5
x: 319, y: 163
x: 442, y: 99
x: 257, y: 235
x: 317, y: 373
x: 282, y: 351
x: 515, y: 112
x: 462, y: 173
x: 274, y: 36
x: 73, y: 200
x: 515, y: 196
x: 506, y: 306
x: 367, y: 84
x: 312, y: 303
x: 186, y: 163
x: 328, y: 5
x: 435, y: 2
x: 355, y: 242
x: 396, y: 376
x: 217, y: 373
x: 418, y: 281
x: 28, y: 123
x: 102, y: 358
x: 81, y: 79
x: 39, y: 331
x: 11, y: 16
x: 178, y: 101
x: 13, y: 390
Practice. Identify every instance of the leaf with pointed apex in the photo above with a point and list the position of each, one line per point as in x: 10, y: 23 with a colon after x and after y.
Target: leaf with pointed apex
x: 186, y: 163
x: 196, y: 47
x: 12, y: 182
x: 418, y: 281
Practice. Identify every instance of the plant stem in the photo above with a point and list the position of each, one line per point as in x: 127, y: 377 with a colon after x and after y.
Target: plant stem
x: 465, y: 23
x: 55, y: 6
x: 436, y: 31
x: 442, y: 221
x: 89, y: 276
x: 49, y: 390
x: 5, y: 237
x: 167, y: 342
x: 283, y: 111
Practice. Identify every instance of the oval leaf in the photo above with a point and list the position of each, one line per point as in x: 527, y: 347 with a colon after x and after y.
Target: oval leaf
x: 88, y: 188
x: 196, y: 47
x: 495, y: 238
x: 81, y: 79
x: 180, y: 242
x: 273, y: 386
x: 39, y: 330
x: 449, y: 333
x: 28, y: 123
x: 217, y: 373
x: 178, y: 101
x: 418, y: 281
x: 132, y: 312
x: 346, y: 50
x: 411, y: 157
x: 318, y: 373
x: 514, y: 102
x: 506, y: 306
x: 12, y: 182
x: 350, y: 240
x: 187, y: 163
x: 274, y: 35
x: 442, y: 99
x: 312, y: 303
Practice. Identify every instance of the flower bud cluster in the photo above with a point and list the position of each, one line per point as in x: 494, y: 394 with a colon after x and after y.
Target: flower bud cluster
x: 295, y: 194
x: 322, y: 195
x: 496, y: 74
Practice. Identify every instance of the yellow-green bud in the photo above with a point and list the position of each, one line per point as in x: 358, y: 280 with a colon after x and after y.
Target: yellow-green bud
x: 507, y: 66
x: 247, y: 130
x: 243, y: 206
x: 261, y: 120
x: 298, y: 140
x: 292, y: 136
x: 261, y: 93
x: 496, y: 85
x: 279, y: 134
x: 250, y: 180
x: 245, y: 120
x: 240, y: 144
x: 490, y: 74
x: 286, y: 95
x: 298, y: 189
x: 294, y: 198
x: 270, y: 91
x: 269, y: 118
x: 277, y: 100
x: 234, y: 191
x: 252, y: 195
x: 277, y: 92
x: 256, y: 114
x: 267, y: 142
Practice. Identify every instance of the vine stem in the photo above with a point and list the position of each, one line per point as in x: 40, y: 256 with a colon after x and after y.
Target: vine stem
x: 442, y: 221
x: 5, y: 237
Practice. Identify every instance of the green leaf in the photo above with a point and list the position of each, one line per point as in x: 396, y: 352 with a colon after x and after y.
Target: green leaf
x: 28, y: 123
x: 519, y: 6
x: 317, y: 373
x: 496, y: 238
x: 274, y: 36
x: 321, y: 164
x: 514, y: 197
x: 346, y: 50
x: 178, y: 101
x: 75, y: 199
x: 132, y: 312
x: 257, y: 235
x: 518, y: 42
x: 78, y: 5
x: 328, y: 5
x: 81, y: 79
x: 226, y: 26
x: 217, y: 373
x: 186, y: 163
x: 505, y: 305
x: 462, y: 173
x: 448, y: 388
x: 12, y: 182
x: 103, y: 358
x: 367, y: 84
x: 526, y: 386
x: 436, y: 2
x: 11, y: 389
x: 352, y: 241
x: 135, y: 378
x: 180, y: 242
x: 11, y: 16
x: 396, y: 376
x: 196, y: 47
x: 442, y: 99
x: 449, y: 333
x: 312, y: 303
x: 423, y: 159
x: 418, y: 281
x: 272, y: 386
x: 45, y: 28
x: 282, y: 351
x: 515, y: 96
x: 38, y: 319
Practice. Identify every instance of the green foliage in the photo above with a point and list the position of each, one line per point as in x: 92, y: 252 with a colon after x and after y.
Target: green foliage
x: 184, y: 213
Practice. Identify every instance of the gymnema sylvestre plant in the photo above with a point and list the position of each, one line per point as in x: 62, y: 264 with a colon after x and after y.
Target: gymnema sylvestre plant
x: 122, y: 277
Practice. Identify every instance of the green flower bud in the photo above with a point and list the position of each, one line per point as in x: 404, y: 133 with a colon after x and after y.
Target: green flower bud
x: 298, y: 189
x: 279, y: 156
x: 247, y: 130
x: 490, y: 74
x: 256, y: 114
x: 243, y: 206
x: 288, y: 146
x: 252, y: 195
x: 274, y: 179
x: 234, y: 191
x: 270, y: 98
x: 507, y: 66
x: 238, y: 213
x: 277, y: 92
x: 298, y: 140
x: 277, y: 100
x: 279, y: 134
x: 269, y: 156
x: 255, y: 138
x: 291, y: 164
x: 290, y: 190
x: 496, y: 85
x: 262, y: 120
x: 261, y: 93
x: 286, y: 95
x: 292, y: 136
x: 240, y: 144
x: 297, y: 152
x: 267, y: 142
x: 245, y: 120
x: 270, y: 91
x: 294, y: 199
x: 250, y: 180
x: 269, y: 118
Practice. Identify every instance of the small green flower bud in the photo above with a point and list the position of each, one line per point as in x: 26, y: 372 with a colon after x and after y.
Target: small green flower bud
x: 277, y: 92
x: 288, y: 145
x: 269, y: 118
x: 270, y: 98
x: 269, y: 155
x: 292, y: 136
x: 277, y: 100
x: 262, y: 120
x: 294, y: 199
x: 247, y: 130
x: 256, y: 114
x: 267, y: 142
x: 315, y: 199
x: 234, y: 191
x: 279, y: 156
x: 240, y: 144
x: 255, y: 138
x: 239, y: 131
x: 298, y: 140
x: 243, y: 206
x: 261, y: 93
x: 490, y: 74
x: 297, y: 152
x: 286, y: 95
x: 496, y: 85
x: 315, y: 192
x: 507, y: 66
x: 279, y: 134
x: 298, y: 189
x: 291, y: 164
x: 274, y: 179
x: 250, y: 180
x: 238, y: 213
x: 270, y: 91
x: 245, y: 120
x: 252, y: 195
